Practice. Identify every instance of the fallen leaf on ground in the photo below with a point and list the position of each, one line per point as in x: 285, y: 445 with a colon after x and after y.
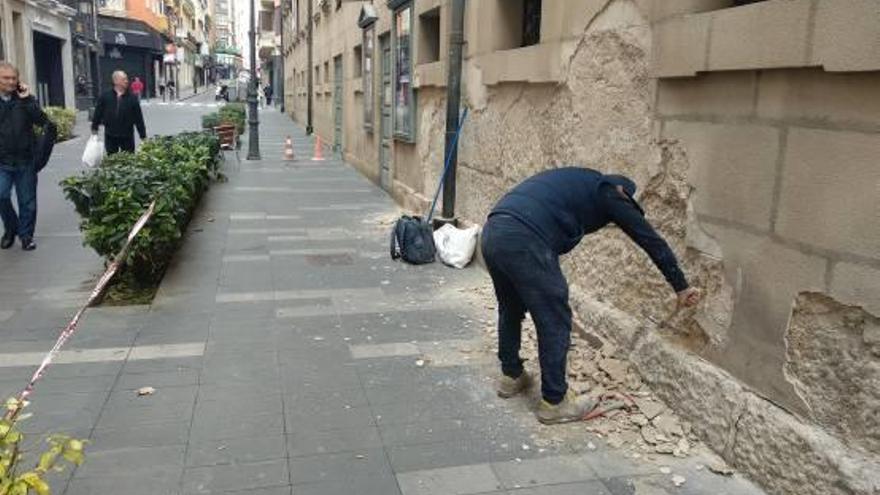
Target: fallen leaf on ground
x: 146, y: 391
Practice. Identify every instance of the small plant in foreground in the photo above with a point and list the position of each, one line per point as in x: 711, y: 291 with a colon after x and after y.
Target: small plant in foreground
x: 15, y: 479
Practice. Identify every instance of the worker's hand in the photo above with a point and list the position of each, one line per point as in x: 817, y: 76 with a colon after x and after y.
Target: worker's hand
x: 689, y: 297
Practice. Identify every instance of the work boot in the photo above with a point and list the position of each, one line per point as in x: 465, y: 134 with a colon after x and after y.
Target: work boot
x: 572, y: 408
x: 28, y: 244
x: 508, y: 387
x: 7, y: 241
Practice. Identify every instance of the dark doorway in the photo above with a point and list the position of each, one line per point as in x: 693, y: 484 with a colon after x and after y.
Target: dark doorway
x: 50, y: 74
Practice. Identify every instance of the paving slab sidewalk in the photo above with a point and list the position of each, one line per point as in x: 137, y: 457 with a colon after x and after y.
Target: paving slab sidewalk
x: 301, y: 363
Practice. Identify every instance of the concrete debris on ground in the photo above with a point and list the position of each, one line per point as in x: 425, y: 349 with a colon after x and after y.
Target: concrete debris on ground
x: 649, y: 430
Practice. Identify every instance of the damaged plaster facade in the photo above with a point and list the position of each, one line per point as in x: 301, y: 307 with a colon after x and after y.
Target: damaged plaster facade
x: 753, y: 133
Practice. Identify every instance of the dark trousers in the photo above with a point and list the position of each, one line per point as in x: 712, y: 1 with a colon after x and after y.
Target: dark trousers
x: 24, y: 180
x: 115, y: 144
x: 527, y: 277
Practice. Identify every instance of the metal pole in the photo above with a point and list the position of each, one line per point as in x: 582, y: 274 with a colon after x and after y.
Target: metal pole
x: 453, y: 101
x: 98, y: 51
x: 281, y: 79
x: 310, y: 128
x: 253, y: 121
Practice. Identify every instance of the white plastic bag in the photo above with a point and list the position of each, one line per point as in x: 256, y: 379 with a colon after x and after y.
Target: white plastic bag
x: 94, y: 152
x: 455, y: 247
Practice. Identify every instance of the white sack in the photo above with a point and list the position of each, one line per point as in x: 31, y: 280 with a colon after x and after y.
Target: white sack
x: 455, y: 247
x: 94, y: 152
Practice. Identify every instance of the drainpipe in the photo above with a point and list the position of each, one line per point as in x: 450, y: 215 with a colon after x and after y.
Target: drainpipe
x: 310, y: 128
x: 453, y: 102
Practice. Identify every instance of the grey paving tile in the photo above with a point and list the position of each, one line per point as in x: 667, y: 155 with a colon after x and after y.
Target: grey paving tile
x: 235, y: 451
x: 164, y: 364
x: 549, y: 470
x: 144, y: 435
x: 458, y: 480
x: 310, y: 442
x: 230, y: 427
x: 300, y: 419
x: 239, y: 393
x: 133, y: 485
x: 368, y: 463
x: 610, y: 464
x: 266, y: 474
x: 381, y: 485
x: 180, y: 377
x: 129, y: 461
x: 58, y: 384
x: 584, y: 488
x: 445, y: 454
x: 278, y: 490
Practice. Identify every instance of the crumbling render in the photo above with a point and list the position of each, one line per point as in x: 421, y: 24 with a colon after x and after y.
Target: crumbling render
x: 833, y: 360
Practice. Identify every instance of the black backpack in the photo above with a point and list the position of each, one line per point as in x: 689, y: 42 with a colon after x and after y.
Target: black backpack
x: 412, y: 240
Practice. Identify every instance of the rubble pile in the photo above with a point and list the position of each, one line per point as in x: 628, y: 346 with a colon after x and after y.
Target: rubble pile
x: 644, y: 428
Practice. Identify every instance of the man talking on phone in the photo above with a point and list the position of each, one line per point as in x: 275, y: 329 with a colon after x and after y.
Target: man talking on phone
x: 19, y: 113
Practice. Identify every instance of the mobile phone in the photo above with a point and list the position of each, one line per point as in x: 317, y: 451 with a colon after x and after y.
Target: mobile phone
x: 19, y: 88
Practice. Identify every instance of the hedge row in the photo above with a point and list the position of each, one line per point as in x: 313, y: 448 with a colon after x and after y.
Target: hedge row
x: 64, y: 119
x: 173, y: 170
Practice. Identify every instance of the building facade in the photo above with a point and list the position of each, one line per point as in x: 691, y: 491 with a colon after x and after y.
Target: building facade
x: 35, y: 36
x: 134, y: 35
x: 227, y: 51
x: 753, y: 133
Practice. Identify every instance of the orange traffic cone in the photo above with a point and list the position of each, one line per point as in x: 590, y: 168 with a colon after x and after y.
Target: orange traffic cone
x: 319, y: 150
x: 288, y: 149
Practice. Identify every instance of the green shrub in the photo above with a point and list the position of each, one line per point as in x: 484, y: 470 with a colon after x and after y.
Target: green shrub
x: 210, y: 120
x: 64, y: 119
x: 233, y: 113
x: 16, y: 480
x: 174, y: 171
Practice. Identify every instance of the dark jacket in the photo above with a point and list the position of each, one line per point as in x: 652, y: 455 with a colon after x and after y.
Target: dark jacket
x: 119, y: 115
x: 563, y: 205
x: 18, y: 117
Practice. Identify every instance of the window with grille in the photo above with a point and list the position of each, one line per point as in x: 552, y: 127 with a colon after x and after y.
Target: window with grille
x: 404, y: 94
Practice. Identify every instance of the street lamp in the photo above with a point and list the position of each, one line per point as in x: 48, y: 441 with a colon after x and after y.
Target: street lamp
x: 253, y: 121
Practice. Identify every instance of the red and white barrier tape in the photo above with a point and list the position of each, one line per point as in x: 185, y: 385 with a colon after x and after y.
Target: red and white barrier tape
x: 70, y: 329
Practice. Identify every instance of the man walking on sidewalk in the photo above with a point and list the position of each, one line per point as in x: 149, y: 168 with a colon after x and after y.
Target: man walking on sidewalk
x: 120, y: 113
x: 546, y: 216
x: 19, y: 113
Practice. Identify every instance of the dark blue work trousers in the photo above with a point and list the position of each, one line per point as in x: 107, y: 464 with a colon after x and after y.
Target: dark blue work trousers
x: 527, y: 277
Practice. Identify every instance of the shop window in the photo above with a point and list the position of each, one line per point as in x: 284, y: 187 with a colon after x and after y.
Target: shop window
x: 404, y: 95
x: 367, y: 64
x: 429, y: 36
x: 357, y: 61
x: 520, y: 24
